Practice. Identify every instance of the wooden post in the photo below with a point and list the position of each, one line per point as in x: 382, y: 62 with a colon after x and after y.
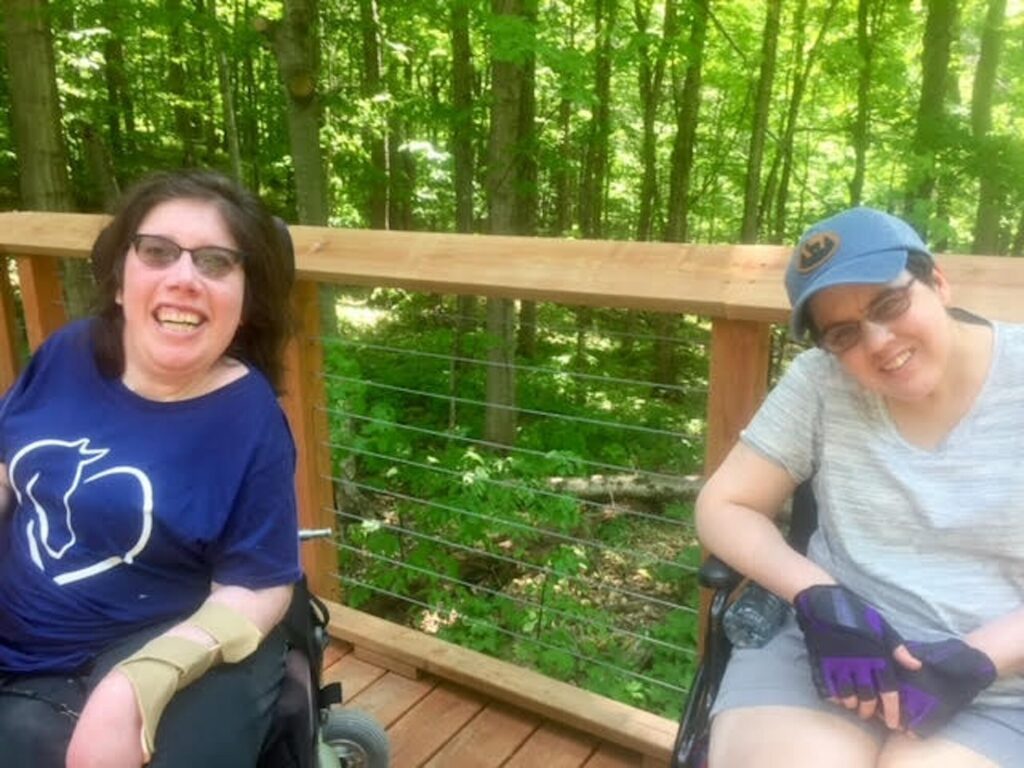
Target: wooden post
x: 41, y: 297
x: 738, y: 379
x: 10, y: 336
x: 304, y: 402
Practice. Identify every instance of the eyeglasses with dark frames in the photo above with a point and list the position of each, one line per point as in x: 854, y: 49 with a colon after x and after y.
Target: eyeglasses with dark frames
x: 159, y: 252
x: 887, y: 307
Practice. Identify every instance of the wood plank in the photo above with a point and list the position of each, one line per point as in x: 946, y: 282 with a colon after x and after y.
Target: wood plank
x: 425, y: 728
x: 553, y: 700
x: 611, y: 756
x: 354, y: 674
x: 304, y: 403
x: 488, y: 739
x: 741, y: 282
x: 10, y: 333
x: 553, y: 746
x: 390, y: 697
x: 333, y: 653
x: 738, y: 379
x: 42, y: 297
x: 386, y: 662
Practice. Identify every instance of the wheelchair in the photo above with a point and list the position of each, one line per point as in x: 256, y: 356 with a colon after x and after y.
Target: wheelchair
x: 308, y: 731
x: 691, y: 745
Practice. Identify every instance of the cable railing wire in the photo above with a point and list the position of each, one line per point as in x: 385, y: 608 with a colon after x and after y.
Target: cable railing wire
x: 517, y: 635
x: 518, y: 409
x: 564, y: 537
x: 519, y: 563
x: 512, y: 486
x: 518, y: 367
x: 543, y: 607
x: 490, y: 444
x: 547, y: 325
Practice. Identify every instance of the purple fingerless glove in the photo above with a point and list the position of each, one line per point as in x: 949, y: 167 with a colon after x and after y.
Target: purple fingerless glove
x: 953, y: 673
x: 849, y: 643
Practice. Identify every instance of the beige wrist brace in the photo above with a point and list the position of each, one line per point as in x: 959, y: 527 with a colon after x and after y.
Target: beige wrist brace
x: 168, y: 663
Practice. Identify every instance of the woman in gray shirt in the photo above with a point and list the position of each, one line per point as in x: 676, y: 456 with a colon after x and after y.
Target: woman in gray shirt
x: 906, y: 646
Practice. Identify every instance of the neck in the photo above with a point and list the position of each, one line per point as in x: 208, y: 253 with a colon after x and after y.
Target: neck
x: 927, y: 421
x: 165, y: 390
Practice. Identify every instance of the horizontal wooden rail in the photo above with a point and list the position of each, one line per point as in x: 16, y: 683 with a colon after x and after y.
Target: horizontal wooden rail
x: 740, y: 282
x: 609, y: 720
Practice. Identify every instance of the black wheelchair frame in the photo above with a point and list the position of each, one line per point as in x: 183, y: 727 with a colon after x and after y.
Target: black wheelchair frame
x: 690, y: 750
x: 308, y: 730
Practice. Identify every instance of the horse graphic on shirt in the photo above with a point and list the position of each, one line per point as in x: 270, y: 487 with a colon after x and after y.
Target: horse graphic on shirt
x: 62, y: 468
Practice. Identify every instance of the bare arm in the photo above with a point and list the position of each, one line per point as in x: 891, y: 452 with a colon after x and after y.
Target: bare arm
x: 1002, y: 640
x: 107, y: 734
x: 736, y: 513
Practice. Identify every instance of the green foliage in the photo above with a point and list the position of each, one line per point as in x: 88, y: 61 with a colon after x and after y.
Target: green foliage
x: 458, y: 539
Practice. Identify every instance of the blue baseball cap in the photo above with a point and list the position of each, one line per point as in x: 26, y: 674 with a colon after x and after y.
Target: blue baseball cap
x: 858, y: 246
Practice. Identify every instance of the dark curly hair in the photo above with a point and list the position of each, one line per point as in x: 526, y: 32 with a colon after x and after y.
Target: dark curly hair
x: 268, y: 265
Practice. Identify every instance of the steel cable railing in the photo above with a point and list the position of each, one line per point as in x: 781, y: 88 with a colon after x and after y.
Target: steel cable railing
x: 474, y: 540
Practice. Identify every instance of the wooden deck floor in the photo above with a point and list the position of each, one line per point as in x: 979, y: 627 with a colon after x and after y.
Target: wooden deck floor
x: 438, y: 724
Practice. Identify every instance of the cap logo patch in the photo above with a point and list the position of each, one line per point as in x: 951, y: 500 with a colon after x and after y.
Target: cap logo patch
x: 817, y: 250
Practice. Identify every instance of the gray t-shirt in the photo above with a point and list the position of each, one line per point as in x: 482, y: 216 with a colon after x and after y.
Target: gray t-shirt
x: 934, y: 538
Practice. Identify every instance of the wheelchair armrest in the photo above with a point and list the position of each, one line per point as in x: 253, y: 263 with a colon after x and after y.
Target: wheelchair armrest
x: 714, y: 574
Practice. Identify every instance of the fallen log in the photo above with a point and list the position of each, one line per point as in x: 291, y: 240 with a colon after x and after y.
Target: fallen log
x: 629, y: 486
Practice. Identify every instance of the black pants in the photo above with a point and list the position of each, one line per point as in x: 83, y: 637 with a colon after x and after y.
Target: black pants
x: 220, y: 721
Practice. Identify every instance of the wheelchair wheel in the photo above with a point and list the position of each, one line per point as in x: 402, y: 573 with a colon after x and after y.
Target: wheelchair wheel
x: 352, y: 739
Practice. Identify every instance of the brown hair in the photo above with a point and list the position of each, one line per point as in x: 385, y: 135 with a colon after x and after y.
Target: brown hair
x: 268, y: 264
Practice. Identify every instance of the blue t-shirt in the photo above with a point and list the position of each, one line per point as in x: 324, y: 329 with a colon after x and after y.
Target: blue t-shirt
x: 127, y: 509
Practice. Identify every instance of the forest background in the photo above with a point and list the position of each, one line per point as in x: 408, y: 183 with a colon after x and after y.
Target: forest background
x: 712, y: 121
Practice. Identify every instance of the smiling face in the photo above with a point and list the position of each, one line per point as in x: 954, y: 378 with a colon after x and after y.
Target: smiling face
x: 905, y: 358
x: 178, y: 324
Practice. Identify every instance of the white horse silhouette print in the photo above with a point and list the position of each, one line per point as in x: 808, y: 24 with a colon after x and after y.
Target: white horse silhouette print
x: 61, y: 464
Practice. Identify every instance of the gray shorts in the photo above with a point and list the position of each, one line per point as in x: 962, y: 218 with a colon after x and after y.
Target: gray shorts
x: 779, y: 675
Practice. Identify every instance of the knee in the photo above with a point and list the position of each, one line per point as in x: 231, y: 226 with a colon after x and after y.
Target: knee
x: 33, y: 732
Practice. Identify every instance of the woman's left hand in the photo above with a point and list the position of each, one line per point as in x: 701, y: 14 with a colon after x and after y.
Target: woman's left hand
x: 109, y: 729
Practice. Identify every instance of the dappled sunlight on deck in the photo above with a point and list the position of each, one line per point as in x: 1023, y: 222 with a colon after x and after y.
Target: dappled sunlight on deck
x: 439, y: 724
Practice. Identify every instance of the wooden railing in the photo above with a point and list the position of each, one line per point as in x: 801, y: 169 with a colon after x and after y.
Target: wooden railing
x: 738, y: 287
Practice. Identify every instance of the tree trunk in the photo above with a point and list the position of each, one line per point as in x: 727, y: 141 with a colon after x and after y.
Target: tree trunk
x: 686, y: 91
x: 802, y: 68
x: 120, y: 106
x: 226, y: 92
x: 509, y: 79
x: 687, y: 106
x: 35, y: 108
x: 462, y: 115
x: 402, y: 166
x: 564, y: 172
x: 651, y: 72
x: 43, y: 180
x: 526, y: 183
x: 869, y: 17
x: 376, y: 136
x: 931, y: 116
x: 988, y: 163
x: 595, y: 162
x: 762, y: 109
x: 296, y: 45
x: 462, y: 157
x: 185, y: 118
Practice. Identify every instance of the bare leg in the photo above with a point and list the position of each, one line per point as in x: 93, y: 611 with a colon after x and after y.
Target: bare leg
x: 904, y: 752
x: 765, y: 737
